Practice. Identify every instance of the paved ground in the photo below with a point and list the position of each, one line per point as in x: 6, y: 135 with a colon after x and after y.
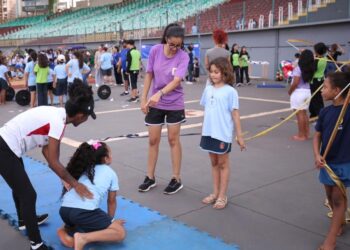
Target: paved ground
x: 276, y: 201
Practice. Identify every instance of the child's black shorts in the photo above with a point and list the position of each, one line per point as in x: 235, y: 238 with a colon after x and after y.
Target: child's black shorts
x: 32, y: 88
x: 82, y: 220
x: 3, y: 84
x: 160, y: 117
x: 106, y: 72
x: 61, y: 88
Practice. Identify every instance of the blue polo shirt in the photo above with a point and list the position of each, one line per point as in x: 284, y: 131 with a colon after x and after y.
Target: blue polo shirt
x: 123, y: 56
x: 340, y: 150
x: 116, y: 57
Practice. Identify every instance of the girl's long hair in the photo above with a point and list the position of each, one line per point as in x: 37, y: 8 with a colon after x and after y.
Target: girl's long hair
x: 225, y: 68
x: 80, y: 58
x: 245, y: 52
x: 43, y: 61
x: 84, y: 160
x: 306, y: 64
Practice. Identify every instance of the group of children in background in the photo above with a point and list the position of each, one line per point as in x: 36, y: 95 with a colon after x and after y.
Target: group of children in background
x: 240, y: 63
x: 314, y: 76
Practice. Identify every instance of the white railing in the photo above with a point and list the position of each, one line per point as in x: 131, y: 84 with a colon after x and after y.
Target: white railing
x: 310, y: 7
x: 270, y: 19
x: 300, y: 7
x: 250, y: 24
x: 280, y: 15
x: 290, y: 10
x: 261, y: 21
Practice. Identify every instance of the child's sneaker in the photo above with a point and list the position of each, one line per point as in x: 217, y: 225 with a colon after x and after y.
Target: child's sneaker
x: 124, y: 93
x: 173, y: 187
x: 147, y: 184
x: 40, y: 219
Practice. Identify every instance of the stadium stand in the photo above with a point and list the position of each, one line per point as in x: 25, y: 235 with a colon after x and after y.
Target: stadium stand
x: 145, y: 18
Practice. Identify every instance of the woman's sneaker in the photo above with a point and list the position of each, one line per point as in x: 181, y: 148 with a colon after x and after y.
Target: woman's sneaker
x: 40, y: 219
x: 173, y: 187
x: 39, y: 246
x: 147, y: 184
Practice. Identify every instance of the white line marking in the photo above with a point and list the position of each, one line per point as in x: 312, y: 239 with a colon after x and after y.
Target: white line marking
x: 263, y: 100
x: 75, y: 144
x: 70, y: 142
x: 191, y: 101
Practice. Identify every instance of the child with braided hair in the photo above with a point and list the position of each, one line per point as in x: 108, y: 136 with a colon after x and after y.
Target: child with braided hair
x: 84, y: 218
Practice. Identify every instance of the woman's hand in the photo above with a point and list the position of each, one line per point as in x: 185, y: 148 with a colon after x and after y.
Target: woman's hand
x: 153, y: 101
x: 144, y: 107
x: 241, y: 143
x: 319, y: 161
x: 83, y: 191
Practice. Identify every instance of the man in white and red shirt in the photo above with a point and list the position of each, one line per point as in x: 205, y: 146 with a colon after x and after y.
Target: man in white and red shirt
x: 41, y: 127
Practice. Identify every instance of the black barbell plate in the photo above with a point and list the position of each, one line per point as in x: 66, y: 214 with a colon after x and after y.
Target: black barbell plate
x: 10, y: 94
x: 23, y: 97
x: 104, y: 92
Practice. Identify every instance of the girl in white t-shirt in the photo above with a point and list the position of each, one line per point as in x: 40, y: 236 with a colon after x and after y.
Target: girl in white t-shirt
x: 221, y: 115
x: 83, y: 218
x: 4, y: 80
x: 43, y: 127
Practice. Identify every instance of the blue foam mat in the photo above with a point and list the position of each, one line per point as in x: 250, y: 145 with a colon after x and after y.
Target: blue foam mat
x: 144, y: 226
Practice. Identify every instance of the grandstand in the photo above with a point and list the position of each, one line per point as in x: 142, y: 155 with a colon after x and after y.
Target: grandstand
x: 147, y: 17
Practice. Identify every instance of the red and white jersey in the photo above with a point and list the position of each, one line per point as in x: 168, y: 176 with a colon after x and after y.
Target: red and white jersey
x: 33, y: 128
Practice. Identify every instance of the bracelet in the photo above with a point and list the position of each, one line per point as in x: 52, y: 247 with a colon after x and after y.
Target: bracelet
x: 161, y: 92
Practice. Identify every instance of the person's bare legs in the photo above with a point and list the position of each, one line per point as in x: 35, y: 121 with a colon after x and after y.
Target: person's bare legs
x: 224, y: 166
x: 50, y: 94
x: 3, y: 96
x: 114, y: 233
x: 60, y: 98
x: 339, y: 205
x: 32, y: 99
x: 215, y: 170
x: 301, y: 127
x: 306, y: 124
x: 64, y: 237
x: 175, y: 149
x: 153, y: 149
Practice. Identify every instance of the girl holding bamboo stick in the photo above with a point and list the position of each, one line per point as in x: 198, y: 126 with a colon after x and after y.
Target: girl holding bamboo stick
x: 336, y: 88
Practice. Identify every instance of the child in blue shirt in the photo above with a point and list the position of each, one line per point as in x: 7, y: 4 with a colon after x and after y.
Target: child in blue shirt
x: 60, y: 78
x: 338, y: 157
x: 221, y: 115
x: 30, y: 78
x: 89, y: 165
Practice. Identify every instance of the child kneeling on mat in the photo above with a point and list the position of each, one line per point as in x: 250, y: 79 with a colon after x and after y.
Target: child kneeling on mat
x: 83, y: 218
x: 221, y: 115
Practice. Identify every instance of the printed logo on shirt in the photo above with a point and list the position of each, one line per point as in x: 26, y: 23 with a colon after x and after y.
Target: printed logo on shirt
x: 173, y: 71
x: 43, y: 130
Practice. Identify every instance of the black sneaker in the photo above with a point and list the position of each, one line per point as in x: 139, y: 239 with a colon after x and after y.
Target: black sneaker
x: 133, y: 99
x: 173, y: 187
x: 147, y: 184
x: 40, y: 218
x: 124, y: 93
x: 39, y: 247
